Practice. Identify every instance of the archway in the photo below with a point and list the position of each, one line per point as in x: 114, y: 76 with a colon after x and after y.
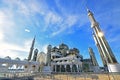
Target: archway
x: 33, y: 67
x: 68, y: 68
x: 74, y: 68
x: 62, y: 68
x: 57, y: 68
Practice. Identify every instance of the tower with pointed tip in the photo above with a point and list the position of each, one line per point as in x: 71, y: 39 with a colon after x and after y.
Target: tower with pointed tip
x: 35, y: 54
x: 31, y: 49
x: 92, y: 56
x: 102, y: 44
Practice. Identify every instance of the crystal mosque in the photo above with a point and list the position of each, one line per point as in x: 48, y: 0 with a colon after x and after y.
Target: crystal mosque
x: 65, y: 59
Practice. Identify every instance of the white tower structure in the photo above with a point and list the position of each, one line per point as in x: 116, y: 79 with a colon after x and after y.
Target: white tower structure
x: 31, y: 49
x: 92, y: 56
x: 105, y: 51
x: 102, y: 44
x: 48, y: 62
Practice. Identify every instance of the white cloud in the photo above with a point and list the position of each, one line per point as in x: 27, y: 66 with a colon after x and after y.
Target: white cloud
x: 5, y: 53
x: 5, y: 18
x: 30, y: 8
x: 52, y: 18
x: 71, y: 20
x: 8, y: 46
x: 1, y: 35
x: 11, y: 52
x: 27, y: 30
x: 24, y: 12
x: 8, y: 26
x: 14, y: 50
x: 66, y: 24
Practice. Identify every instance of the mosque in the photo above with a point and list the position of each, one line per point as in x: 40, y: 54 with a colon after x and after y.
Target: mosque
x: 65, y: 59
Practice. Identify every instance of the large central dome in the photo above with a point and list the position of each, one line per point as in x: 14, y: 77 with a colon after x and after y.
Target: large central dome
x: 63, y: 46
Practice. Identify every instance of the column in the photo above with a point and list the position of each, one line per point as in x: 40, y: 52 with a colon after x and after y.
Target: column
x: 52, y: 67
x: 60, y: 67
x: 77, y: 68
x: 65, y: 67
x: 80, y: 67
x: 71, y: 67
x: 55, y: 68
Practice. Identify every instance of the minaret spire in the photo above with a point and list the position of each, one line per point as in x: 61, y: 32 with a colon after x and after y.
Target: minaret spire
x: 92, y: 56
x: 92, y: 19
x: 48, y: 61
x: 87, y: 9
x: 31, y: 49
x: 102, y: 44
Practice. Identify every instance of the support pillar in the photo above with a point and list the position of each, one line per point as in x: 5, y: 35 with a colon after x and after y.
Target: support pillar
x: 77, y: 67
x: 71, y: 67
x: 55, y: 68
x: 60, y: 68
x: 65, y: 67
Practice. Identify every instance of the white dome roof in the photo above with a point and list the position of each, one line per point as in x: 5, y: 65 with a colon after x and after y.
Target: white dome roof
x: 7, y: 57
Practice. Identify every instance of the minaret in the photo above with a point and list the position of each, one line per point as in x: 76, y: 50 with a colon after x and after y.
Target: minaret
x: 35, y: 54
x: 102, y: 44
x: 48, y: 61
x: 31, y: 49
x: 92, y: 56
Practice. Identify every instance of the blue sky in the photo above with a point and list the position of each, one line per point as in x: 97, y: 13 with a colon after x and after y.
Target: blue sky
x: 54, y: 22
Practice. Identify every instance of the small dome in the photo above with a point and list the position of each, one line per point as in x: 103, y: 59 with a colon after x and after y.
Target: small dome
x: 25, y: 60
x: 74, y: 51
x: 36, y: 51
x: 54, y: 49
x: 41, y: 53
x: 18, y: 59
x: 7, y: 57
x: 49, y: 46
x: 63, y: 46
x: 41, y: 57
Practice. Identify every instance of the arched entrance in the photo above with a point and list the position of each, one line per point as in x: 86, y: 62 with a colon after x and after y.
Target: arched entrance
x: 74, y: 68
x: 57, y: 68
x: 62, y: 68
x: 68, y: 68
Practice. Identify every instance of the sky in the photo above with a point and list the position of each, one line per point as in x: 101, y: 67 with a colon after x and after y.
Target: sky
x: 54, y: 22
